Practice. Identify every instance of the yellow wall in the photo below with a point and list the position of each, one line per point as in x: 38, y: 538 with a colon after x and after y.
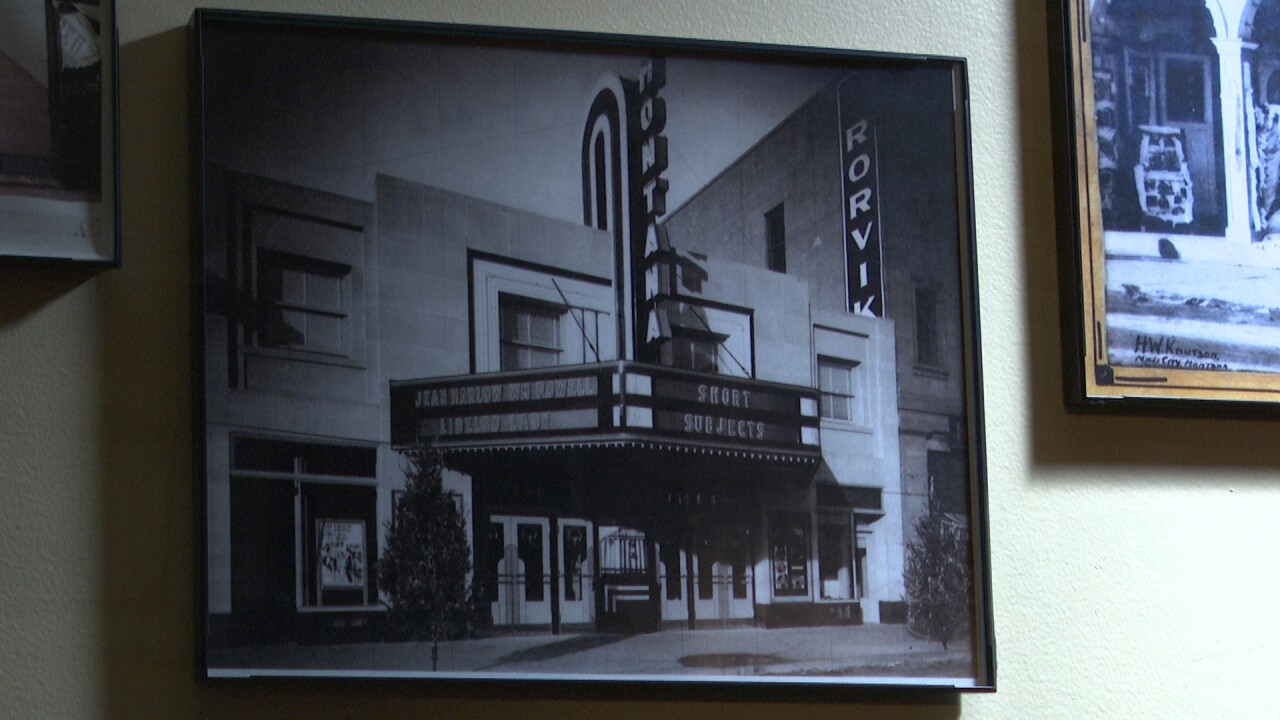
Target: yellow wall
x: 1133, y: 559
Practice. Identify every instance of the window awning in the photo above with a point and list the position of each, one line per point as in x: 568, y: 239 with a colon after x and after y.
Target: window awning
x: 866, y: 502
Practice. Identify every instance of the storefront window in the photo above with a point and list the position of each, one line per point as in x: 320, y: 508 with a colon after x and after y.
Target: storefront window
x: 789, y: 551
x: 335, y: 521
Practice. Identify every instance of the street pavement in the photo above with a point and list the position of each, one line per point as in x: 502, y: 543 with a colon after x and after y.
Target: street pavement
x: 1212, y: 311
x: 881, y: 652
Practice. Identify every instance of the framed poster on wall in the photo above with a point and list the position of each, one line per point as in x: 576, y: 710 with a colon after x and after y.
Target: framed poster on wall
x: 59, y: 180
x: 1166, y: 136
x: 543, y: 356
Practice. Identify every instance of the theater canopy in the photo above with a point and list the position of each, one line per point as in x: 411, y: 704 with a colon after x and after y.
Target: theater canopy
x: 617, y: 404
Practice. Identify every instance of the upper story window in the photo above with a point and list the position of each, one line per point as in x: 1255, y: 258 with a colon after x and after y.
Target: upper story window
x: 290, y: 286
x: 853, y: 371
x: 836, y: 382
x: 928, y: 351
x: 712, y: 339
x: 775, y: 234
x: 307, y: 301
x: 530, y: 335
x: 696, y: 350
x: 526, y: 316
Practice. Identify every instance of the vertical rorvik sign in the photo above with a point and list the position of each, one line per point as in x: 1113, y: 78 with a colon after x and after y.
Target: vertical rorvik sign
x: 649, y: 250
x: 858, y: 162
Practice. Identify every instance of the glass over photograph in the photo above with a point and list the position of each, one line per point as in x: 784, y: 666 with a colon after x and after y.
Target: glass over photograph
x: 545, y: 357
x: 57, y: 189
x: 1181, y: 254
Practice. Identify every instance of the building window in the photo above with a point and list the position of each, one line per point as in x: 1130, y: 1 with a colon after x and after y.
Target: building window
x: 789, y: 553
x: 307, y: 303
x: 1186, y: 84
x: 530, y: 333
x: 696, y: 350
x: 927, y: 346
x: 836, y: 382
x: 528, y: 316
x: 284, y: 490
x: 775, y: 238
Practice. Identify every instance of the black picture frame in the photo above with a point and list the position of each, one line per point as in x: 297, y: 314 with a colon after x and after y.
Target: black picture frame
x: 1163, y: 235
x: 59, y: 136
x: 490, y: 282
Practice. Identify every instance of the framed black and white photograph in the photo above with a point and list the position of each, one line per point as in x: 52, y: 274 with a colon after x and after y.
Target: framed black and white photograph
x: 58, y: 136
x: 545, y: 356
x: 1169, y: 162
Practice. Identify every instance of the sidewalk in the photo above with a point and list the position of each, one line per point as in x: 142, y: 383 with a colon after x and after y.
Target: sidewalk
x: 880, y: 651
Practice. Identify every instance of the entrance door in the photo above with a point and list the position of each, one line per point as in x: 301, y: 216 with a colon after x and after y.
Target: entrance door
x: 722, y: 575
x: 577, y: 591
x: 524, y: 577
x: 1186, y: 103
x: 263, y: 570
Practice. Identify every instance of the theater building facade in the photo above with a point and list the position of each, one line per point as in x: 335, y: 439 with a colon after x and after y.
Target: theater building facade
x: 725, y: 413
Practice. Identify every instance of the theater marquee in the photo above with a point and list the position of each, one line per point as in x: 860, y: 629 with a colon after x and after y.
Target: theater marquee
x: 604, y: 404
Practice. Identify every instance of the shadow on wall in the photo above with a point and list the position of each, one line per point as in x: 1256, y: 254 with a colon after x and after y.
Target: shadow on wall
x: 31, y: 288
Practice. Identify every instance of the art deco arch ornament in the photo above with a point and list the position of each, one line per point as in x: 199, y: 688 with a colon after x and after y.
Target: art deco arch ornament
x: 585, y: 361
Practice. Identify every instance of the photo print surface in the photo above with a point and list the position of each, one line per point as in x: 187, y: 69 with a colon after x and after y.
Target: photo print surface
x: 569, y: 360
x: 57, y: 146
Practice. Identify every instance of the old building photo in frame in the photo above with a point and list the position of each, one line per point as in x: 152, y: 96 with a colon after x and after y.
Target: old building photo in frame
x: 1169, y: 170
x: 549, y: 356
x: 58, y: 175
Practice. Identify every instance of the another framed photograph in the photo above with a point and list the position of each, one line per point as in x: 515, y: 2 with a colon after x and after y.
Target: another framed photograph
x: 542, y: 356
x: 1168, y: 139
x: 59, y: 180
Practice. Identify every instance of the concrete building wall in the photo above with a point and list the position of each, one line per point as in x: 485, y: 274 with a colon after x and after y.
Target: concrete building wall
x: 797, y: 165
